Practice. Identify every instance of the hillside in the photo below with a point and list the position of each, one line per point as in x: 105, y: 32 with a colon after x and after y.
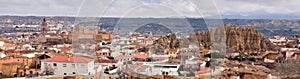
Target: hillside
x: 155, y: 29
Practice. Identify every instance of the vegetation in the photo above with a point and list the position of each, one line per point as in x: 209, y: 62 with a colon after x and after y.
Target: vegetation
x: 241, y: 57
x: 6, y: 77
x: 149, y: 59
x: 215, y: 55
x: 252, y: 59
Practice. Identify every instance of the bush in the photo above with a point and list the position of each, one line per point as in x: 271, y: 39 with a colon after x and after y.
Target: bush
x: 6, y: 77
x: 241, y: 57
x: 149, y: 59
x: 215, y: 55
x: 252, y: 59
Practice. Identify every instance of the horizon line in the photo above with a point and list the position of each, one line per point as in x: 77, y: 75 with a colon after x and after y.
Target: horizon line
x: 13, y: 15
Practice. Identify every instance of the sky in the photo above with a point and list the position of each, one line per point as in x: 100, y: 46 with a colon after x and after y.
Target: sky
x: 154, y: 8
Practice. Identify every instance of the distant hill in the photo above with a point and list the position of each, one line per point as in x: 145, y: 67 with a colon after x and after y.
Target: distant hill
x: 155, y: 29
x: 269, y: 27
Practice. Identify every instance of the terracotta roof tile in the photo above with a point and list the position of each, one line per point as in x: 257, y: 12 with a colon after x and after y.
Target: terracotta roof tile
x: 202, y: 71
x: 64, y: 58
x: 122, y: 56
x: 100, y: 60
x: 142, y: 56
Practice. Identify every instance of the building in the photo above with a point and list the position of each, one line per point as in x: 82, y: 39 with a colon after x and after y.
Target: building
x: 122, y: 58
x: 14, y: 63
x: 104, y: 35
x: 202, y: 74
x: 139, y: 56
x: 68, y: 65
x: 44, y: 27
x: 172, y: 52
x: 87, y: 32
x: 104, y: 51
x: 271, y: 57
x: 158, y: 69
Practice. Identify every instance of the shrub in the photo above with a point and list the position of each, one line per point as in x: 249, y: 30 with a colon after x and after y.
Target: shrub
x: 215, y: 55
x: 241, y: 57
x: 149, y: 59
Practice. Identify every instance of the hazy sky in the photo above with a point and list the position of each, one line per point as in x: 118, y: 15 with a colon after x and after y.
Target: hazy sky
x: 153, y: 8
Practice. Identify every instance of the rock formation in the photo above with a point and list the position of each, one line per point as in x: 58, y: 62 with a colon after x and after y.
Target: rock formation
x: 246, y: 39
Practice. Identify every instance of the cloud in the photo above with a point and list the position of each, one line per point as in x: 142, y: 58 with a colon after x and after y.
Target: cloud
x: 150, y: 8
x: 248, y: 7
x: 39, y: 7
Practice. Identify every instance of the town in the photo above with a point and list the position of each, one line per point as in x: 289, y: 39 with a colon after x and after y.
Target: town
x: 77, y: 51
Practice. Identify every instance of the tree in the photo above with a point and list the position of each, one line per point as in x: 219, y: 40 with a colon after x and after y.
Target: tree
x: 149, y: 59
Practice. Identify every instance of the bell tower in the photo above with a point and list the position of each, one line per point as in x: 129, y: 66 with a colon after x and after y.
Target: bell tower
x: 44, y: 27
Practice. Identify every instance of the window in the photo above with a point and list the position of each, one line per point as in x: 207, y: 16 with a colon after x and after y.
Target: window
x: 82, y: 65
x: 64, y: 65
x: 73, y: 65
x: 54, y: 64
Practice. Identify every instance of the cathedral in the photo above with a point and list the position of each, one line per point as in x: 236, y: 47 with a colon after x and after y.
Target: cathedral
x: 44, y: 27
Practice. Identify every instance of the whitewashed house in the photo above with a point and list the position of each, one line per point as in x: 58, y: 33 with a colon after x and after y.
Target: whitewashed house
x: 122, y: 58
x: 2, y: 55
x: 68, y: 65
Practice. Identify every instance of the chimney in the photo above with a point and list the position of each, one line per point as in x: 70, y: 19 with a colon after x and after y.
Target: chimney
x: 69, y: 57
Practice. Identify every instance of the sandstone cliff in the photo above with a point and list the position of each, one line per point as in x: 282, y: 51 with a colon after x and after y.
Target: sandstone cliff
x: 243, y: 39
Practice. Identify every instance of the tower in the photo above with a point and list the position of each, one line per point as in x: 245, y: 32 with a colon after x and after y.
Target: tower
x: 97, y: 30
x: 44, y: 26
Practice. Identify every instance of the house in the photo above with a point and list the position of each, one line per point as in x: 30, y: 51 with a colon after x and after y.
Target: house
x: 278, y: 40
x: 37, y: 59
x: 8, y: 46
x: 202, y: 74
x: 1, y: 44
x: 12, y: 63
x: 105, y: 61
x: 204, y: 51
x: 104, y: 51
x: 68, y: 65
x: 296, y: 56
x: 288, y: 49
x: 122, y: 58
x: 271, y: 57
x: 172, y: 52
x: 159, y: 57
x: 148, y: 41
x: 140, y: 56
x: 2, y: 55
x: 158, y: 69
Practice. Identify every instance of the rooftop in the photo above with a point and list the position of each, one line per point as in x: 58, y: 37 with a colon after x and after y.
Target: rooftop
x: 142, y: 56
x: 66, y: 58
